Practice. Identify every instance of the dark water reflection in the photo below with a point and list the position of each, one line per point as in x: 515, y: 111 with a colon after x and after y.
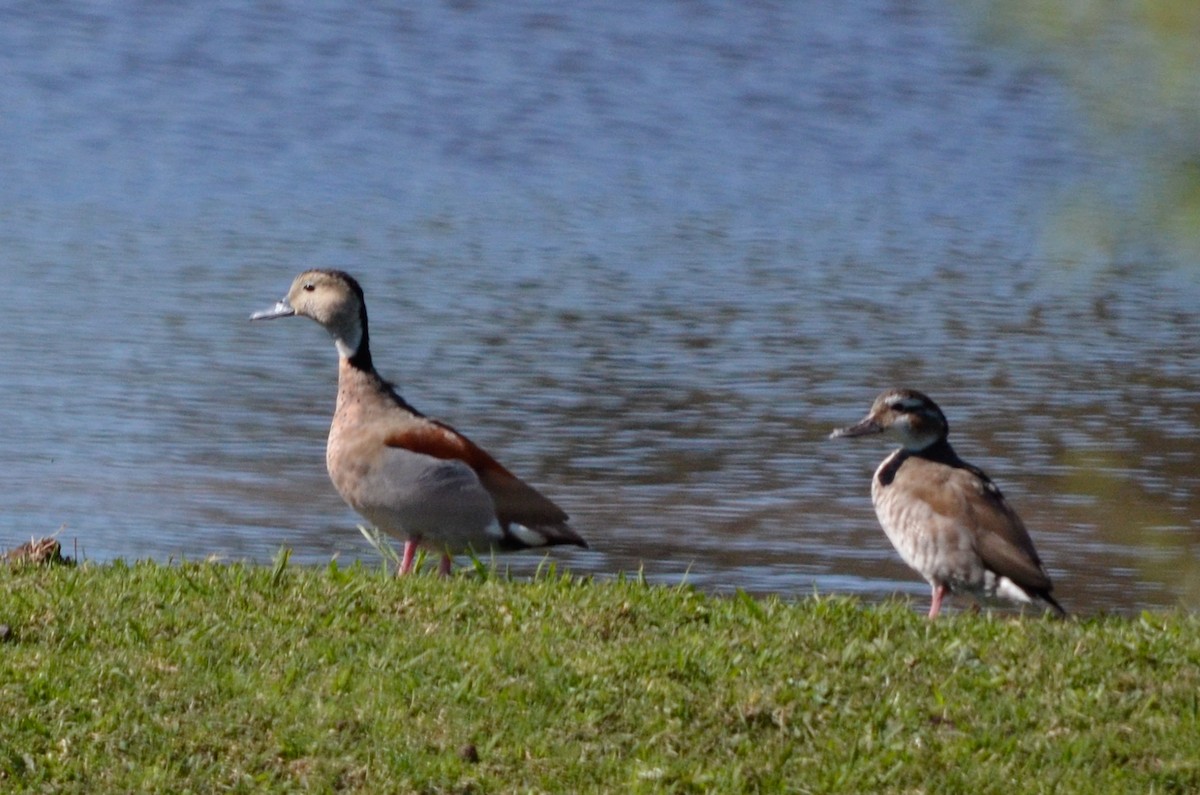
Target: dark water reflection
x: 649, y: 262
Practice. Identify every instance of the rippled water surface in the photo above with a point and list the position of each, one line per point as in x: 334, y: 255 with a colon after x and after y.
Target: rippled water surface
x: 647, y: 256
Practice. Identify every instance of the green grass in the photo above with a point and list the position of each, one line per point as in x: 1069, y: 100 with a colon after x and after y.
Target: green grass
x: 211, y: 677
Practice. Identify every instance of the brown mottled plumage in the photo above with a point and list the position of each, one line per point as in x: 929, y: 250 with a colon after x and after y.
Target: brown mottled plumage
x: 946, y: 518
x: 411, y: 476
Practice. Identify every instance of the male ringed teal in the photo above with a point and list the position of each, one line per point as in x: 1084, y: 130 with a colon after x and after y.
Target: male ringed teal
x: 413, y: 477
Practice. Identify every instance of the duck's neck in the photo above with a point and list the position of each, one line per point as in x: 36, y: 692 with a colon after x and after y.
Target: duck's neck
x: 938, y: 451
x: 362, y: 392
x: 358, y: 356
x: 353, y: 344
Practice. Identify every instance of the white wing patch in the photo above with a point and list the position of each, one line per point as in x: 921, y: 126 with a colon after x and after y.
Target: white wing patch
x: 1008, y: 589
x: 516, y: 532
x: 530, y: 538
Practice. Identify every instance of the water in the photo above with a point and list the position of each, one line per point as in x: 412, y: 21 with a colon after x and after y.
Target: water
x: 647, y: 256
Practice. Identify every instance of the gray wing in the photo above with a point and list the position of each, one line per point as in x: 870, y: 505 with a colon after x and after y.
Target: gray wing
x: 415, y: 495
x: 1001, y: 539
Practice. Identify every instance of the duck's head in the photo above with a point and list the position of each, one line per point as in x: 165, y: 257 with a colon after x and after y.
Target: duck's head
x: 332, y: 298
x: 906, y: 413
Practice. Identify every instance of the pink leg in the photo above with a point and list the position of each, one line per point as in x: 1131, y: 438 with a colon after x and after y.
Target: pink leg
x: 938, y: 592
x: 444, y: 569
x: 410, y: 552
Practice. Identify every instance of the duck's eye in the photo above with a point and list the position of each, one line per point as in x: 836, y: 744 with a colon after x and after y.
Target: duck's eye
x: 309, y: 287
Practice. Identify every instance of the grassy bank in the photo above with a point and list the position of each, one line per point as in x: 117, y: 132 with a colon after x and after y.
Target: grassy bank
x: 207, y: 677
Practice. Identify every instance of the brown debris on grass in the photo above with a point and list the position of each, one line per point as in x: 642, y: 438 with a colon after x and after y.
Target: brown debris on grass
x: 36, y: 552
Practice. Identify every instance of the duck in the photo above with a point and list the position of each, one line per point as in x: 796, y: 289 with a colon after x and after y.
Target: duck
x: 413, y: 477
x: 947, y: 519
